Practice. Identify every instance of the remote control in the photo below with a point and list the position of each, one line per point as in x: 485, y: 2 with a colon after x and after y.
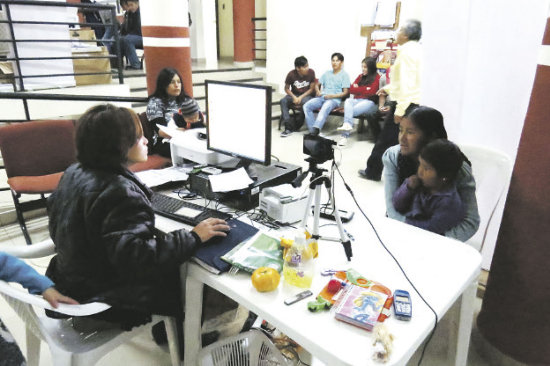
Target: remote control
x: 211, y: 170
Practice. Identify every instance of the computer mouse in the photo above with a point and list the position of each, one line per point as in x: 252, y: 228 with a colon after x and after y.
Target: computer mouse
x: 202, y: 136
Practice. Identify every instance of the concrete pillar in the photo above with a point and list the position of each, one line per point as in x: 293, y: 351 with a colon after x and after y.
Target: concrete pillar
x: 165, y: 28
x: 243, y: 34
x: 514, y: 316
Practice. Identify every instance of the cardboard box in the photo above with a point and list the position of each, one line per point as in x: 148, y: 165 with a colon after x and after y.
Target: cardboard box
x: 82, y: 34
x: 6, y: 73
x: 92, y: 65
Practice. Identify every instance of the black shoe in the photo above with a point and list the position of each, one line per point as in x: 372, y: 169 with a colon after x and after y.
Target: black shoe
x: 159, y: 334
x: 315, y: 131
x: 286, y: 133
x: 130, y: 67
x: 365, y: 175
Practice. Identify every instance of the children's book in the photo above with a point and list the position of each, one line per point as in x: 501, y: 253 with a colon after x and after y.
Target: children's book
x: 360, y: 306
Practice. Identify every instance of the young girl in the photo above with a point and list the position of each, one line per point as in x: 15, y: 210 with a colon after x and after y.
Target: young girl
x: 429, y: 199
x: 364, y: 90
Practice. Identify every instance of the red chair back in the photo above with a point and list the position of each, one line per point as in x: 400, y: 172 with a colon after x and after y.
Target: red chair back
x: 38, y: 147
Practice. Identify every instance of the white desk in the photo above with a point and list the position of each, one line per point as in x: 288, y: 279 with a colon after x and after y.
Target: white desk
x: 443, y: 270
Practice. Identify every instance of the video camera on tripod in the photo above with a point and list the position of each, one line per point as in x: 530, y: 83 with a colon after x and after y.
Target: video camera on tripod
x: 320, y: 150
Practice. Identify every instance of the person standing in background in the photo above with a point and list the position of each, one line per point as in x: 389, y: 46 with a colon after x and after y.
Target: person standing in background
x: 404, y: 90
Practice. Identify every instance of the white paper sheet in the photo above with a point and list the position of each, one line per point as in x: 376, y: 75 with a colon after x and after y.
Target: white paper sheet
x: 171, y: 129
x: 385, y: 13
x: 156, y: 177
x: 226, y: 182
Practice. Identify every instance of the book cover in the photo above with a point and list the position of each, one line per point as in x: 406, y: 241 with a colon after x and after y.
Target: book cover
x: 360, y: 306
x: 209, y: 253
x: 259, y: 251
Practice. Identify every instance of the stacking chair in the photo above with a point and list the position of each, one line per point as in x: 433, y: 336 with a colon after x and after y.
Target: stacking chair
x: 35, y: 156
x: 68, y: 346
x: 492, y: 171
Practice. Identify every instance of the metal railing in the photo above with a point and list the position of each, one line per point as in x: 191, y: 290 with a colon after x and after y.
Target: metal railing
x: 262, y: 39
x: 19, y: 76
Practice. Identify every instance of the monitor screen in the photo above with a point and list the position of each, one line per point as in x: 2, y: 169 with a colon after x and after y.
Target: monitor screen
x: 239, y: 120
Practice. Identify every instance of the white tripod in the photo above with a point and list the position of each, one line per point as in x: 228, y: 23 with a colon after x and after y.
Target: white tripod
x: 316, y: 181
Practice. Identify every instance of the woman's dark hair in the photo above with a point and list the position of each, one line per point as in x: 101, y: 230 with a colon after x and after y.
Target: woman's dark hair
x: 413, y: 29
x: 164, y: 79
x: 445, y: 157
x: 371, y: 71
x: 300, y: 61
x: 338, y: 55
x: 430, y: 122
x: 104, y: 134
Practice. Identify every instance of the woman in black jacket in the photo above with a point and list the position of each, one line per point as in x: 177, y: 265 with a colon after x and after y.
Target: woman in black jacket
x: 103, y: 226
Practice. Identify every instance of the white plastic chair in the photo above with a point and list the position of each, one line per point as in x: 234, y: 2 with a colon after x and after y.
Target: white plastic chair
x: 68, y: 346
x: 492, y: 170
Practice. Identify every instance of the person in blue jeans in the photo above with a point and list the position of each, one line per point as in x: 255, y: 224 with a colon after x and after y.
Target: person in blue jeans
x: 335, y: 85
x: 13, y: 269
x: 131, y: 37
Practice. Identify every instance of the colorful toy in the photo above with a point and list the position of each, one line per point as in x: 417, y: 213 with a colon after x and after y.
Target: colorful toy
x: 330, y: 293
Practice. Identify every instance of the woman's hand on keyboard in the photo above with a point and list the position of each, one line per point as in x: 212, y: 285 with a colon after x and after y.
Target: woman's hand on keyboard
x: 211, y: 227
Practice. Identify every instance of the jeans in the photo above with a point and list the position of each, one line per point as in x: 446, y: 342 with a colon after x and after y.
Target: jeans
x: 109, y: 35
x: 325, y: 105
x: 356, y: 107
x: 128, y: 44
x: 286, y: 103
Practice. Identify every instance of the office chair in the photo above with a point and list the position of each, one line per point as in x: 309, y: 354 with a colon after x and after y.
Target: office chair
x: 68, y: 346
x: 492, y: 170
x: 35, y: 156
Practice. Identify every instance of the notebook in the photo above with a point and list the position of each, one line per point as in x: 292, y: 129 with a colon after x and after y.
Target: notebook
x: 209, y: 253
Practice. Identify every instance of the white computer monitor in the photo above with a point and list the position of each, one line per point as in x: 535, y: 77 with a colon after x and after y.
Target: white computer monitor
x: 239, y: 120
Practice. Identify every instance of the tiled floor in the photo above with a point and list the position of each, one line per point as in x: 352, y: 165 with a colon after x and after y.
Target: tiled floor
x: 143, y: 351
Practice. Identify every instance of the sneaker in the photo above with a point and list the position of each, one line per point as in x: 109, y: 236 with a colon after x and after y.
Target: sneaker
x: 345, y: 127
x: 343, y: 142
x: 286, y: 133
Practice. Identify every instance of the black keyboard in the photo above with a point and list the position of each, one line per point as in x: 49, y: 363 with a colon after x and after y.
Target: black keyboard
x: 183, y: 211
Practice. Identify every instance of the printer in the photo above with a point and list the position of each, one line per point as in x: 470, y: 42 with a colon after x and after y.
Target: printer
x: 191, y: 145
x: 284, y: 203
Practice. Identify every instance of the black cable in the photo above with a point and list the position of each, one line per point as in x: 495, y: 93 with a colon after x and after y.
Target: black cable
x: 398, y: 265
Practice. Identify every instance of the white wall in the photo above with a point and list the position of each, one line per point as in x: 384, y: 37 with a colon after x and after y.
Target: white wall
x: 480, y: 59
x: 480, y: 62
x: 225, y: 24
x: 203, y: 31
x: 316, y: 29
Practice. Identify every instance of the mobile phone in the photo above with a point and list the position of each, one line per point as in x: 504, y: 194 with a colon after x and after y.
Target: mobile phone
x: 302, y: 295
x: 402, y: 305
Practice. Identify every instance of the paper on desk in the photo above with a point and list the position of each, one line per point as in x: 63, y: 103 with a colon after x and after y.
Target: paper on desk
x: 231, y: 181
x: 156, y: 177
x: 170, y: 130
